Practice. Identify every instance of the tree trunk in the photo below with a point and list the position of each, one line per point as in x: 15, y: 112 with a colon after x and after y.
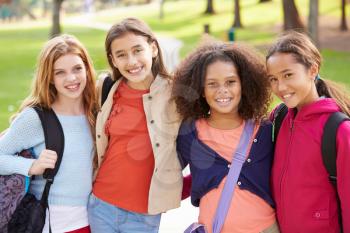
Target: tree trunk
x: 45, y: 8
x: 25, y: 9
x: 56, y: 27
x: 237, y: 18
x: 262, y: 1
x: 291, y: 16
x: 161, y: 9
x: 210, y: 7
x: 29, y: 13
x: 313, y: 21
x: 343, y: 24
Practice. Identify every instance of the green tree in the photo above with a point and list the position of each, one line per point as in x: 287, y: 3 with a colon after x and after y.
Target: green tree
x: 237, y: 23
x: 313, y: 21
x: 56, y: 26
x: 161, y: 9
x: 343, y: 24
x: 210, y: 7
x: 45, y: 8
x: 291, y: 19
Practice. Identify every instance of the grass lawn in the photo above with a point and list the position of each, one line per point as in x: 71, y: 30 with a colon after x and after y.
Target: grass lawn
x: 18, y: 53
x: 183, y: 19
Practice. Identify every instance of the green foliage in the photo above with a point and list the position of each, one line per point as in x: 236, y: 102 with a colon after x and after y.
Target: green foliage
x: 183, y: 19
x: 336, y: 66
x: 19, y: 50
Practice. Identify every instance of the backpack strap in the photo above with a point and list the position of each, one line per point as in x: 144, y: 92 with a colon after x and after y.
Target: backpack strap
x: 278, y: 117
x: 106, y: 87
x: 329, y: 145
x: 329, y: 150
x: 54, y: 140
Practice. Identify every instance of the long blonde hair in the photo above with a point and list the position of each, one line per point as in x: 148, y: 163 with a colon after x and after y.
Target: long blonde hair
x: 43, y: 92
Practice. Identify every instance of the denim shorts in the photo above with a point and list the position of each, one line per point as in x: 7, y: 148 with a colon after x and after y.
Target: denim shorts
x: 107, y: 218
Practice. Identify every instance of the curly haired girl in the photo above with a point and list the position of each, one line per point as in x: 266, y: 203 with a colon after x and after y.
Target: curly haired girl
x: 218, y: 88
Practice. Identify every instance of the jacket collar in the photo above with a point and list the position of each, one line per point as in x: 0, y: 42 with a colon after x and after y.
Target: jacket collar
x: 316, y: 108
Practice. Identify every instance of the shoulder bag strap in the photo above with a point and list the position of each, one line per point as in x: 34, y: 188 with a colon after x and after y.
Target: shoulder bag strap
x: 232, y: 177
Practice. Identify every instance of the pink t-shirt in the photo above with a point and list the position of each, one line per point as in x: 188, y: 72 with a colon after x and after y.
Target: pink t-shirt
x: 248, y: 212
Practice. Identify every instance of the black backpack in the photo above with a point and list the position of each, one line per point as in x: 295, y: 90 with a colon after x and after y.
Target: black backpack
x: 328, y: 144
x: 108, y: 82
x: 29, y: 214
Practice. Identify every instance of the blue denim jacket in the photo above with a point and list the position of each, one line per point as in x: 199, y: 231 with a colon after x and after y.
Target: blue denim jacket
x: 208, y: 168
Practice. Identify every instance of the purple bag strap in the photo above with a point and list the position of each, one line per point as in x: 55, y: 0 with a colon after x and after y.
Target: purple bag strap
x: 232, y: 177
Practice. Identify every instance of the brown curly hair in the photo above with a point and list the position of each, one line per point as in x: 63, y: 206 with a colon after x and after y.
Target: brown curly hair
x: 189, y: 79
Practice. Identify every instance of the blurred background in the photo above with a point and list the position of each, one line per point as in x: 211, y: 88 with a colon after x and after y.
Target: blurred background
x: 179, y: 24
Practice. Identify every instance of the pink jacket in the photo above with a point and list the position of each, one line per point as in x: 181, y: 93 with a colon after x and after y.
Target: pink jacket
x: 305, y: 199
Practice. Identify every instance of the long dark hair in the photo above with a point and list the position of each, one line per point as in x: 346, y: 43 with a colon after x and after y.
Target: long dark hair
x: 138, y: 27
x: 306, y: 53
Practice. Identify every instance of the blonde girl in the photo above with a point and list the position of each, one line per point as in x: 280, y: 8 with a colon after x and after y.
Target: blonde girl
x: 64, y: 82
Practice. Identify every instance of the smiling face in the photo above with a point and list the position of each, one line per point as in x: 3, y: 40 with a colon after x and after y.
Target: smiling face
x: 291, y: 81
x: 132, y: 55
x: 69, y: 77
x: 222, y: 89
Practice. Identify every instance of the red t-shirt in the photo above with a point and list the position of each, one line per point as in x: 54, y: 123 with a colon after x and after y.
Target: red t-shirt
x: 125, y: 174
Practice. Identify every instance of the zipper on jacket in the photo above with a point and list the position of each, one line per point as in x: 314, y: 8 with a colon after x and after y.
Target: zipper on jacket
x: 291, y: 128
x: 291, y: 125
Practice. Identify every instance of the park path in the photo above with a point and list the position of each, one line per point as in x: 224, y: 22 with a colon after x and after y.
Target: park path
x: 170, y: 46
x: 173, y: 221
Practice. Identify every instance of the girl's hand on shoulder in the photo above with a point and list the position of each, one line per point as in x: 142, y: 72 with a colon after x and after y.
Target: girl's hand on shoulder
x: 47, y: 159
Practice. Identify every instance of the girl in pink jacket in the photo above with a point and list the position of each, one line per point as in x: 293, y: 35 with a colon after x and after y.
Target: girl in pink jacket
x: 306, y: 200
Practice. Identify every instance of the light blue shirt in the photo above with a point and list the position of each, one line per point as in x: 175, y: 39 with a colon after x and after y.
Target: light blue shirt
x: 73, y: 182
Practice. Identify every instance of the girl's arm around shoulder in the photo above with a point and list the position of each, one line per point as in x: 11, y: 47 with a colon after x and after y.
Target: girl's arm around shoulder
x: 343, y: 172
x: 186, y: 188
x: 183, y: 143
x: 24, y: 132
x: 182, y: 147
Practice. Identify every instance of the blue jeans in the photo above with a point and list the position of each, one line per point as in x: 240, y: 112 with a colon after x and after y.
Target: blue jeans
x: 107, y: 218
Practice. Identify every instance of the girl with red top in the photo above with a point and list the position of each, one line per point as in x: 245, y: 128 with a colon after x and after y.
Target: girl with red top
x: 138, y: 173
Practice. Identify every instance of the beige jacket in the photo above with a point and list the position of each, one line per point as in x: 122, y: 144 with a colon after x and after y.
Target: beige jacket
x: 163, y: 124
